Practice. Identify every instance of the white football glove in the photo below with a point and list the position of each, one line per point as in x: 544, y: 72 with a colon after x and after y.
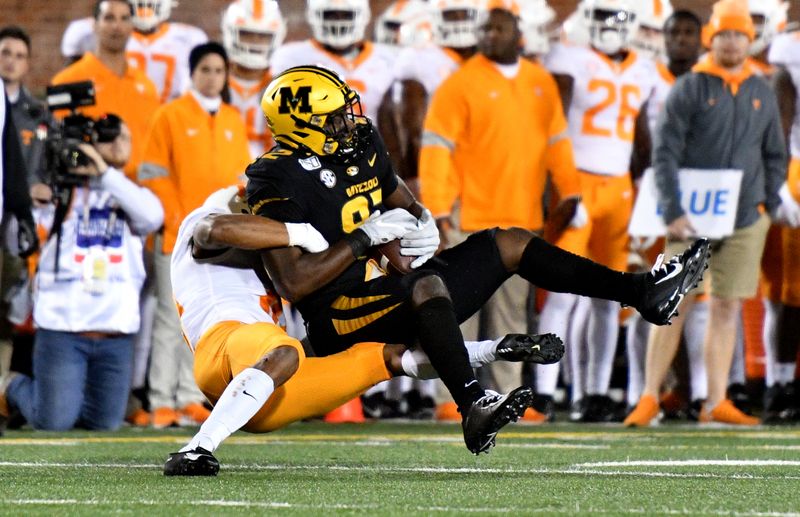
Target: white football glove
x: 306, y: 236
x: 581, y: 216
x: 388, y: 226
x: 788, y: 212
x: 423, y: 241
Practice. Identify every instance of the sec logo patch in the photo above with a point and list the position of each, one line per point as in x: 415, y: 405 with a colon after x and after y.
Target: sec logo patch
x: 327, y: 177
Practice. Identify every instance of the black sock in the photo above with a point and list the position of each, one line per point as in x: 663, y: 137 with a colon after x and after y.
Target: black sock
x: 560, y: 271
x: 440, y: 338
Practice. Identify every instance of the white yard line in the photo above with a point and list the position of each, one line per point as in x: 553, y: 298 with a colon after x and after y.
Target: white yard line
x: 584, y: 469
x: 691, y: 463
x: 277, y: 505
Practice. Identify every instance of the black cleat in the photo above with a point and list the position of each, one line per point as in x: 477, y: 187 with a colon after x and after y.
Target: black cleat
x: 667, y: 283
x: 491, y: 413
x: 198, y: 462
x: 531, y: 348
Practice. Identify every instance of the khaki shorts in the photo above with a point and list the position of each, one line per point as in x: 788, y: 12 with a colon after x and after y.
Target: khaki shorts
x: 735, y: 261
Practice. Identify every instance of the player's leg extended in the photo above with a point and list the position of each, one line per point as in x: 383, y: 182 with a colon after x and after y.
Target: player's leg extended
x: 655, y: 294
x: 237, y: 366
x: 322, y: 384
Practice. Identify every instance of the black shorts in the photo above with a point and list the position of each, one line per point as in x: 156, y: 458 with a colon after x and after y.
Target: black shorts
x: 380, y: 309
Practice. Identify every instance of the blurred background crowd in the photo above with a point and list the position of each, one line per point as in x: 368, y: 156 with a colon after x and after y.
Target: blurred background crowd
x: 102, y: 174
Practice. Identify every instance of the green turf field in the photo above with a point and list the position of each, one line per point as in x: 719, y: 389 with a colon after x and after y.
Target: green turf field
x: 410, y: 469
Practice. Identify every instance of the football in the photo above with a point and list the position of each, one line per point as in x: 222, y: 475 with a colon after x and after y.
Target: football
x: 392, y: 260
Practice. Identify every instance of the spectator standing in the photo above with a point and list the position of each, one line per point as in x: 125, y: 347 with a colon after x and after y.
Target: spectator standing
x: 721, y: 115
x: 196, y: 145
x: 119, y: 88
x: 86, y: 295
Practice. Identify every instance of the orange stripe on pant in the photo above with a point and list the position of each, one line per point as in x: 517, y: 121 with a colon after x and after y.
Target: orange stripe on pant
x: 319, y: 385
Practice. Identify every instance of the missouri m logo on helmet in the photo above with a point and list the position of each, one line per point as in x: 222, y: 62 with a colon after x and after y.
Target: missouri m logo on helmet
x: 312, y: 108
x: 291, y: 101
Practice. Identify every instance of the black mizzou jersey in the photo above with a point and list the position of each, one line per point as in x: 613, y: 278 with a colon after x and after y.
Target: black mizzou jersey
x: 294, y: 186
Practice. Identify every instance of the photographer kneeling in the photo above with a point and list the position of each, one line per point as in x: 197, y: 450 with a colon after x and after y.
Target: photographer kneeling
x: 86, y: 290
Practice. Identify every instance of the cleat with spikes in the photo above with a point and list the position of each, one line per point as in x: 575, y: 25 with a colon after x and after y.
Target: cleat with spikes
x: 668, y: 282
x: 530, y: 348
x: 487, y: 415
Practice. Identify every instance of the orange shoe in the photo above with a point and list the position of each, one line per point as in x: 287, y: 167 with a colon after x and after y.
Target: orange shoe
x: 448, y: 412
x: 139, y: 418
x: 645, y: 411
x: 164, y: 417
x: 727, y: 413
x: 534, y: 417
x: 193, y: 414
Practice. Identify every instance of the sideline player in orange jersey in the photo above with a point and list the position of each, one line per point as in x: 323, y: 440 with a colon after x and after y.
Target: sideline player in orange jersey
x: 158, y: 47
x: 603, y: 87
x: 251, y: 31
x: 120, y: 88
x: 242, y: 357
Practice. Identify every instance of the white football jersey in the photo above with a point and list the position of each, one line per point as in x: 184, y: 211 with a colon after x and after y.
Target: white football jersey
x: 246, y: 98
x: 785, y: 51
x: 661, y: 89
x: 164, y: 56
x: 606, y: 100
x: 207, y: 294
x: 78, y: 38
x: 430, y: 65
x: 371, y: 73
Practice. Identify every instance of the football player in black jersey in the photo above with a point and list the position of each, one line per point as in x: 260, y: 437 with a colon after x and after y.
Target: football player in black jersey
x: 331, y: 169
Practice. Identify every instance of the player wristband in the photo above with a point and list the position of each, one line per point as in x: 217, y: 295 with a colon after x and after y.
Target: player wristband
x: 359, y: 242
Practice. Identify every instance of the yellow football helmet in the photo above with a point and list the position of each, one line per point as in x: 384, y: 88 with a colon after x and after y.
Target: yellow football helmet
x: 312, y: 108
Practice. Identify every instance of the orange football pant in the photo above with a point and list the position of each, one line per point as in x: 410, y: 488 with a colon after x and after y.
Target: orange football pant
x: 319, y: 385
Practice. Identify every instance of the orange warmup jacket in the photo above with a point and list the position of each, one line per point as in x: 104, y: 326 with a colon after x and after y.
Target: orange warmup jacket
x: 189, y: 155
x: 490, y: 141
x: 132, y: 97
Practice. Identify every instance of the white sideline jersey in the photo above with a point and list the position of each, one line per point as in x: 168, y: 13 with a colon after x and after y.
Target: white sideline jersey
x: 246, y: 98
x: 606, y: 99
x: 207, y: 294
x: 163, y: 55
x: 785, y: 51
x: 371, y: 73
x: 429, y: 65
x: 661, y: 89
